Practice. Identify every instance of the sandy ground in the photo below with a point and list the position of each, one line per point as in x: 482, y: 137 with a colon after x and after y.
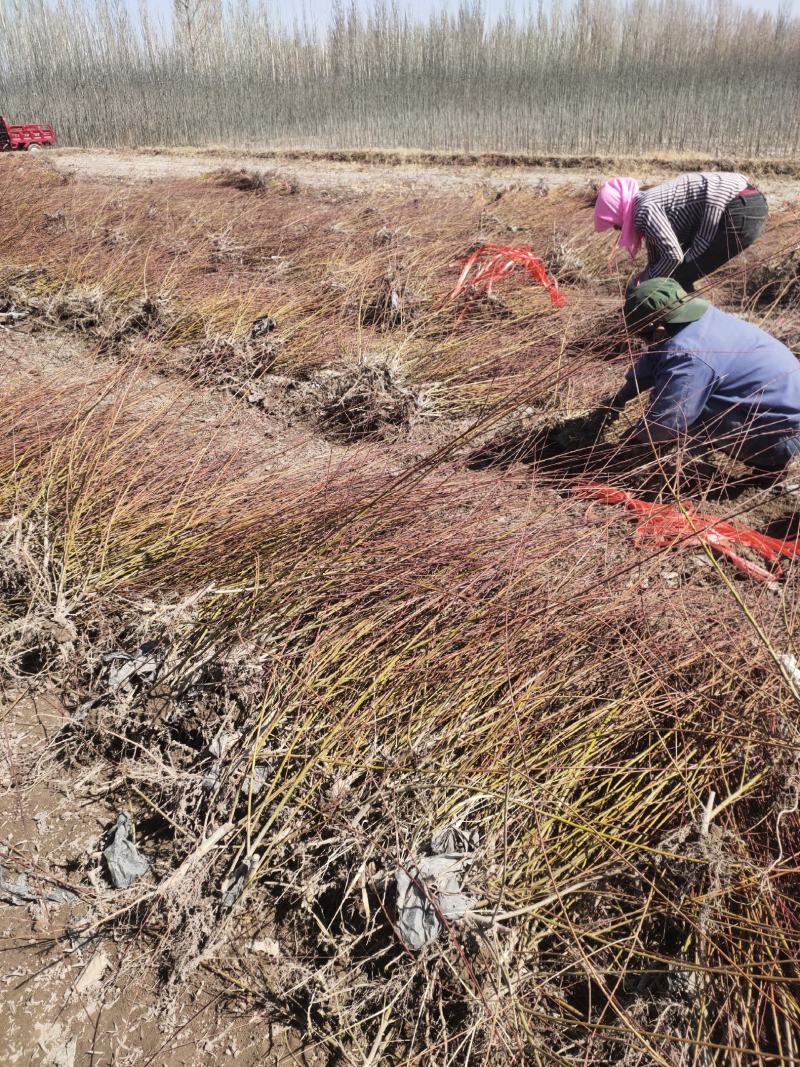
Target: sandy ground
x: 348, y: 177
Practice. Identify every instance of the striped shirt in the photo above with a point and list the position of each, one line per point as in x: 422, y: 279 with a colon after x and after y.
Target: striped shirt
x: 679, y: 218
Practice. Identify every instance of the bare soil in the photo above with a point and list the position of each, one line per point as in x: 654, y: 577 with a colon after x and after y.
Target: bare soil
x: 70, y: 1003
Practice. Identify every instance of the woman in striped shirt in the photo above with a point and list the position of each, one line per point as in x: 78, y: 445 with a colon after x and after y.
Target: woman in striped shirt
x: 690, y: 225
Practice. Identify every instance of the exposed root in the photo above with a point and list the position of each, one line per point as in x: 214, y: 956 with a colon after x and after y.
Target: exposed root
x: 238, y: 363
x: 565, y: 265
x: 20, y: 288
x: 226, y: 250
x: 83, y: 308
x: 481, y: 307
x: 140, y: 316
x: 55, y: 221
x: 37, y: 631
x: 29, y: 293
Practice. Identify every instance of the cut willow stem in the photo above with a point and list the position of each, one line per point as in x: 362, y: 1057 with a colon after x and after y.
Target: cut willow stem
x: 708, y: 814
x: 488, y: 920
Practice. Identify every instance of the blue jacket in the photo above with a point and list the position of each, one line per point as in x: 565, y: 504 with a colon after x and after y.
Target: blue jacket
x: 725, y: 380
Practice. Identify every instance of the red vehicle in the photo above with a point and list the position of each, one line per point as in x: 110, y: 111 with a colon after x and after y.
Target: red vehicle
x: 26, y: 137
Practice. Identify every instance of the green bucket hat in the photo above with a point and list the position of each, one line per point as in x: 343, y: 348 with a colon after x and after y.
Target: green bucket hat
x: 660, y: 300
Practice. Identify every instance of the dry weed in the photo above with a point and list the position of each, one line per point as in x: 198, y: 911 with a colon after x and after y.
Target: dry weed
x: 259, y: 182
x: 776, y: 282
x: 365, y: 400
x: 564, y: 264
x: 391, y: 303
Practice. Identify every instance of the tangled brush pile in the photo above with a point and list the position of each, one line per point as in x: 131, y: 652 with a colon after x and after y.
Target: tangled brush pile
x: 364, y: 400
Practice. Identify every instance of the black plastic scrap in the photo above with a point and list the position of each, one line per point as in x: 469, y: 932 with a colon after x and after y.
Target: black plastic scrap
x: 123, y: 673
x: 429, y: 891
x: 123, y: 669
x: 124, y: 862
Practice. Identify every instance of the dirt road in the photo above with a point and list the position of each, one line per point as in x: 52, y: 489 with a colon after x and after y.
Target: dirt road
x: 356, y: 177
x: 339, y: 177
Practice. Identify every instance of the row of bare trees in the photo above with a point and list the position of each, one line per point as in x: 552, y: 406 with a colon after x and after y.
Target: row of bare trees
x: 591, y: 76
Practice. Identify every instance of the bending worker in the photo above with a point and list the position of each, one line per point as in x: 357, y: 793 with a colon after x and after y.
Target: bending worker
x: 690, y: 225
x: 714, y: 379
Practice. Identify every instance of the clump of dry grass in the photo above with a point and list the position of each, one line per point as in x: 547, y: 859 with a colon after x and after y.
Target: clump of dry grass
x: 391, y: 302
x: 564, y: 264
x: 256, y: 181
x: 18, y: 287
x: 234, y: 361
x: 776, y: 281
x: 227, y: 250
x: 36, y: 631
x: 32, y: 293
x: 80, y: 308
x: 365, y: 400
x: 140, y: 316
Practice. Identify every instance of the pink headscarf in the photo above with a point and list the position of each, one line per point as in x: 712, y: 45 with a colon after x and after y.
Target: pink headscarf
x: 614, y: 207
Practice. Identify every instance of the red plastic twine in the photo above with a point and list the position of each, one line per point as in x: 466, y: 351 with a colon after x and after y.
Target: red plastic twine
x: 667, y: 526
x: 489, y: 263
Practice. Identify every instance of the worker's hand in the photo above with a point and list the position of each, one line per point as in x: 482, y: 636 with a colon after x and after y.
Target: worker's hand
x: 611, y: 407
x: 598, y: 419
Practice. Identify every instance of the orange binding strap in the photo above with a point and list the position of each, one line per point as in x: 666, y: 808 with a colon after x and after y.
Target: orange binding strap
x: 488, y: 264
x: 667, y: 526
